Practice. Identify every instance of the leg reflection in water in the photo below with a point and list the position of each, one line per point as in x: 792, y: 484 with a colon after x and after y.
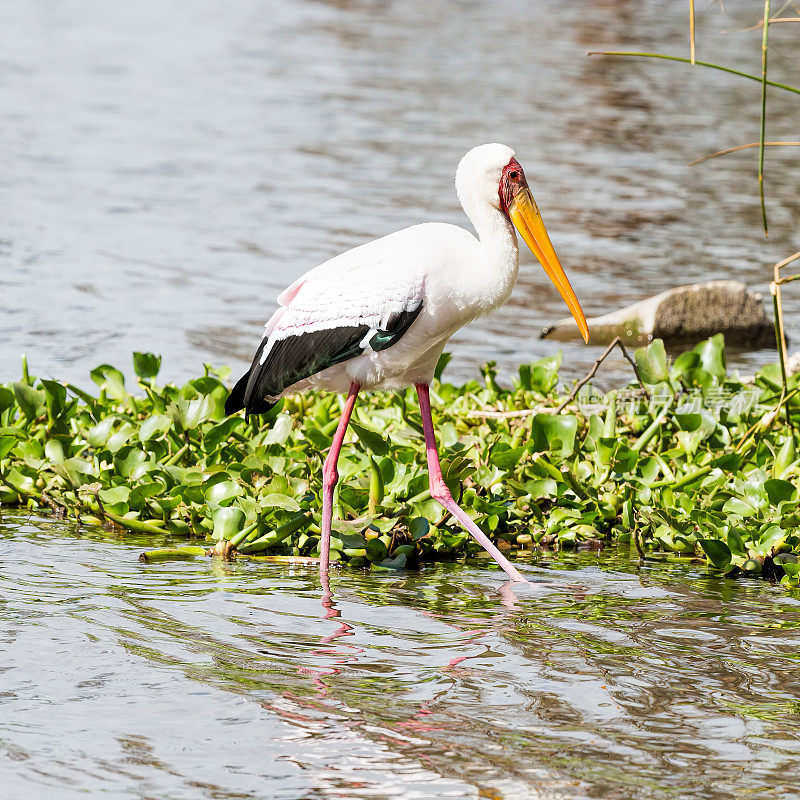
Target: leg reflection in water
x: 340, y: 655
x: 339, y: 658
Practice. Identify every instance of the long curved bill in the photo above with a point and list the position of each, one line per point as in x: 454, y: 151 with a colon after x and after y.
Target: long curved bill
x: 528, y: 221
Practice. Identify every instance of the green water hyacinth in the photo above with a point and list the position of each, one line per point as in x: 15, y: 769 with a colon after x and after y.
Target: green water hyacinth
x: 688, y: 461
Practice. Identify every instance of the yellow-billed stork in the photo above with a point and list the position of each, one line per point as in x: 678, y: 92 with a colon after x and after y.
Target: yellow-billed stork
x: 378, y: 316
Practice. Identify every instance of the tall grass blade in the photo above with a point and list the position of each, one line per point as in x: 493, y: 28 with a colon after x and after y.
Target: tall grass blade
x: 780, y: 332
x: 665, y: 57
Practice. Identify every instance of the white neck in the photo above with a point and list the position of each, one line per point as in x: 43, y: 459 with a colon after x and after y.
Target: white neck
x: 496, y: 272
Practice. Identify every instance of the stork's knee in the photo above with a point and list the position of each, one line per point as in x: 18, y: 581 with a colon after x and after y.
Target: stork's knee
x: 439, y: 491
x: 330, y: 475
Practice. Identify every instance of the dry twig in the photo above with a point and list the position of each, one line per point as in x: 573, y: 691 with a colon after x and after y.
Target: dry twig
x: 741, y: 147
x: 591, y: 373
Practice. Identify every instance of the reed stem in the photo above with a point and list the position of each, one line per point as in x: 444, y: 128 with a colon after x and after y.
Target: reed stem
x: 763, y: 127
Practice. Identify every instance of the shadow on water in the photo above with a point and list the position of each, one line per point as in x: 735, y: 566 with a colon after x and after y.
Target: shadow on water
x: 229, y: 680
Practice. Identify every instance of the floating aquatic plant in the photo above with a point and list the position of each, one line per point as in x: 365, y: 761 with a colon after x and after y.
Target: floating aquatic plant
x: 686, y: 461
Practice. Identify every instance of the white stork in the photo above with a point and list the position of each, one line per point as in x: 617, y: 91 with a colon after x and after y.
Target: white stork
x: 379, y: 316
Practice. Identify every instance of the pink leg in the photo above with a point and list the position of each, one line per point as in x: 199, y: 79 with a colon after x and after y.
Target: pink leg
x: 329, y: 478
x: 441, y: 493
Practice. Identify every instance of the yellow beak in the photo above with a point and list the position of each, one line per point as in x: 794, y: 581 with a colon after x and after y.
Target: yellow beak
x: 528, y: 221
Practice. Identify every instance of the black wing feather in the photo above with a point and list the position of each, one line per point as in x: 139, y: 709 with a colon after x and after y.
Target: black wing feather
x: 235, y: 400
x: 297, y: 357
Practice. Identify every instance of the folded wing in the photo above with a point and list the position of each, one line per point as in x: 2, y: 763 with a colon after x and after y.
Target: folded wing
x: 330, y: 316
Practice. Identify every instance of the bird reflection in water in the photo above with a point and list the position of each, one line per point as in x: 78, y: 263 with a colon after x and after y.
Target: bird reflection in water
x: 340, y: 655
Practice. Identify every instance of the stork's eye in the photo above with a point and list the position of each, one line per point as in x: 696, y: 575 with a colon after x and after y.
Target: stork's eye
x: 513, y: 174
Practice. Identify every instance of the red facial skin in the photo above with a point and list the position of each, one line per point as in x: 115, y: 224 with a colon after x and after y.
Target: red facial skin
x: 511, y: 181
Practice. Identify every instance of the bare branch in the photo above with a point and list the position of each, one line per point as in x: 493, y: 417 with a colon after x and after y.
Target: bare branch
x: 617, y: 342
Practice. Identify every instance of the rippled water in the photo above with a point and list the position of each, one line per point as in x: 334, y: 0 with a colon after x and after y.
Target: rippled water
x: 169, y: 168
x: 231, y: 680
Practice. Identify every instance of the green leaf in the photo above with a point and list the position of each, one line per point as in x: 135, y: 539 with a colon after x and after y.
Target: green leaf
x: 55, y: 397
x: 703, y: 422
x: 110, y: 379
x: 223, y: 493
x: 317, y: 438
x: 78, y: 392
x: 651, y: 361
x: 371, y: 439
x: 188, y: 414
x: 737, y: 506
x: 542, y: 488
x: 99, y: 434
x: 7, y: 398
x: 786, y: 457
x: 280, y: 431
x: 24, y: 484
x: 75, y: 470
x: 544, y: 373
x: 278, y: 500
x: 54, y: 451
x: 418, y: 528
x: 114, y: 495
x: 779, y: 490
x: 398, y: 562
x: 120, y: 437
x: 525, y: 376
x: 554, y: 433
x: 771, y: 537
x: 712, y: 355
x: 31, y: 401
x: 376, y: 550
x: 144, y: 491
x: 228, y: 522
x: 770, y: 374
x: 146, y: 365
x: 441, y: 364
x: 508, y: 459
x: 348, y: 541
x: 729, y: 462
x: 128, y: 459
x: 6, y: 445
x: 154, y: 426
x: 736, y: 544
x: 220, y: 432
x: 718, y: 553
x: 683, y: 363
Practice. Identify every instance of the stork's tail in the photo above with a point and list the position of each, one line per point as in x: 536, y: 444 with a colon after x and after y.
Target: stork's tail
x: 236, y: 399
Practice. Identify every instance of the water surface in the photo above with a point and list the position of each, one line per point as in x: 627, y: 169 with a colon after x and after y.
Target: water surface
x: 169, y: 168
x: 205, y: 679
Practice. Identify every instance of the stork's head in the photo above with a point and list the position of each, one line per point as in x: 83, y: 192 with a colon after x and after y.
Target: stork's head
x: 489, y: 174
